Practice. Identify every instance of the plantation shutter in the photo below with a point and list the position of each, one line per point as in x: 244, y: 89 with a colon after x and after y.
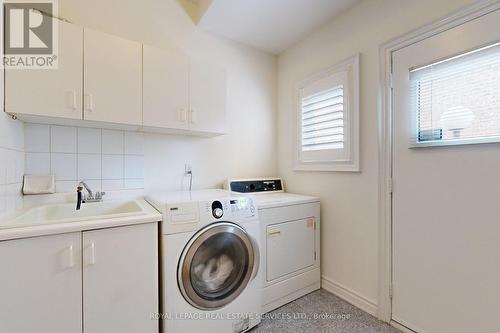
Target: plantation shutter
x: 323, y: 120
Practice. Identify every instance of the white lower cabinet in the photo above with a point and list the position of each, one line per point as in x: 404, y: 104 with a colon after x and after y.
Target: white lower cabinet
x: 120, y: 279
x: 46, y: 287
x: 40, y: 284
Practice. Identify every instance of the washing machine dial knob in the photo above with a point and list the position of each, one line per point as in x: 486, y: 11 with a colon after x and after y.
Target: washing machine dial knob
x: 218, y: 212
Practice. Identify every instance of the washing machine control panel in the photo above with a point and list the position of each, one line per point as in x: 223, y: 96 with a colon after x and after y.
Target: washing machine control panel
x: 230, y: 209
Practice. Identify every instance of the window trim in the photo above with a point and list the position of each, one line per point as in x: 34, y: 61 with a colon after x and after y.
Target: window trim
x: 348, y: 160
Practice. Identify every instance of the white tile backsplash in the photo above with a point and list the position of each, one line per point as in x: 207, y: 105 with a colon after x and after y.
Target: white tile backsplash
x: 63, y: 166
x: 134, y: 166
x: 66, y: 186
x: 14, y: 166
x: 89, y: 141
x: 106, y: 159
x: 134, y: 143
x: 3, y: 166
x: 131, y: 184
x: 37, y: 138
x: 11, y: 163
x: 112, y: 142
x: 112, y: 167
x: 112, y: 184
x: 89, y: 166
x: 37, y: 164
x: 62, y: 139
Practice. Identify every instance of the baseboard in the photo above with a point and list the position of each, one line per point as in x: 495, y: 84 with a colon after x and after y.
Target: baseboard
x: 400, y: 327
x: 349, y: 295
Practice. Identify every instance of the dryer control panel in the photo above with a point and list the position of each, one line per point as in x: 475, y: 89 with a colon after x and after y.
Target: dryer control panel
x: 256, y: 186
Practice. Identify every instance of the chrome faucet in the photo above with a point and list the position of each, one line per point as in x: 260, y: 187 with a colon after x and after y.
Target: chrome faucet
x: 89, y: 191
x: 90, y: 197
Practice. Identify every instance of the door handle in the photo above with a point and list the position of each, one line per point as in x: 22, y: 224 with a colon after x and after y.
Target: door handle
x: 91, y: 260
x: 73, y: 101
x: 273, y: 232
x: 192, y: 116
x: 182, y: 115
x: 89, y: 102
x: 71, y: 259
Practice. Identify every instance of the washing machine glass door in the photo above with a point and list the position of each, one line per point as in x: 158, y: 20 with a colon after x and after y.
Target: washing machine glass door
x: 216, y: 265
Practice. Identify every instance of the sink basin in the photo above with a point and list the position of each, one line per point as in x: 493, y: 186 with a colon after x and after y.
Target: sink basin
x: 63, y: 213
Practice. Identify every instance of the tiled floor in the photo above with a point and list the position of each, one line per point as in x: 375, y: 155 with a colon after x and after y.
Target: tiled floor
x: 336, y: 316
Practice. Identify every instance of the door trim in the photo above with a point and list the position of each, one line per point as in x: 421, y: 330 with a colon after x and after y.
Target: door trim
x: 457, y: 18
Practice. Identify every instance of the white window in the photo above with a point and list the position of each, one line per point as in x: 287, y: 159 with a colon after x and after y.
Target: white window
x: 328, y: 120
x: 457, y: 100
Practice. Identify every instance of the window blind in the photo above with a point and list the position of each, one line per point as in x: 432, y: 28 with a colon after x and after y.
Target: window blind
x: 323, y: 120
x: 459, y: 97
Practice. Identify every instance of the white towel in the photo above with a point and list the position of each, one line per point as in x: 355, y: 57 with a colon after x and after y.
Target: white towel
x: 39, y: 185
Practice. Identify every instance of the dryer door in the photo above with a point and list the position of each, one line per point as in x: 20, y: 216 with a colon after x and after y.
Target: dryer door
x: 216, y: 265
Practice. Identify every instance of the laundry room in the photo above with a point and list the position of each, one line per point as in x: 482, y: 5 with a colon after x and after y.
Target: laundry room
x: 249, y: 166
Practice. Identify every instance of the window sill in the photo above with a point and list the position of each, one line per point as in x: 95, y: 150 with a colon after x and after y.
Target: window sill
x: 328, y: 167
x: 456, y: 142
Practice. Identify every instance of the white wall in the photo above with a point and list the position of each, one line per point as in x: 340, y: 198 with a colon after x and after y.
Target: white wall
x: 349, y: 200
x: 249, y: 148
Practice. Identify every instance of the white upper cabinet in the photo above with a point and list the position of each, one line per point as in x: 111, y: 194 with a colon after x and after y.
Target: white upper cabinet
x: 165, y: 88
x: 207, y: 88
x: 50, y: 92
x: 113, y: 79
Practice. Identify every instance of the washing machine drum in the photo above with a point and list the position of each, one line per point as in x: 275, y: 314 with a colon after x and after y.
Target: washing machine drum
x: 216, y: 265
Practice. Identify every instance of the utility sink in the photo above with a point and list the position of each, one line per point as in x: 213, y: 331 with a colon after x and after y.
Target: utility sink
x: 64, y: 213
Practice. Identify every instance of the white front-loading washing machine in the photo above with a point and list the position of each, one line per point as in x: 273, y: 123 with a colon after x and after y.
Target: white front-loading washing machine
x: 210, y: 277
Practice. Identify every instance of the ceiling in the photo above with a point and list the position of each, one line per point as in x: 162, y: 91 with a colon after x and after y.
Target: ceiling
x: 269, y: 25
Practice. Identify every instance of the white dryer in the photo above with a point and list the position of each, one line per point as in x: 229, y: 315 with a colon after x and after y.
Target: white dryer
x: 290, y: 235
x: 210, y: 280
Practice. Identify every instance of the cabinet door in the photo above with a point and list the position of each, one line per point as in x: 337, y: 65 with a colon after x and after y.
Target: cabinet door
x: 50, y: 92
x: 40, y: 284
x: 165, y: 88
x: 113, y: 79
x: 208, y: 97
x: 120, y: 279
x: 282, y: 258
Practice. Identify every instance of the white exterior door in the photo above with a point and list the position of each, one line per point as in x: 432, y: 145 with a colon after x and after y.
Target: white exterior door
x: 446, y: 227
x: 40, y: 284
x: 120, y: 279
x: 113, y: 79
x: 166, y: 88
x: 208, y: 97
x: 55, y: 92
